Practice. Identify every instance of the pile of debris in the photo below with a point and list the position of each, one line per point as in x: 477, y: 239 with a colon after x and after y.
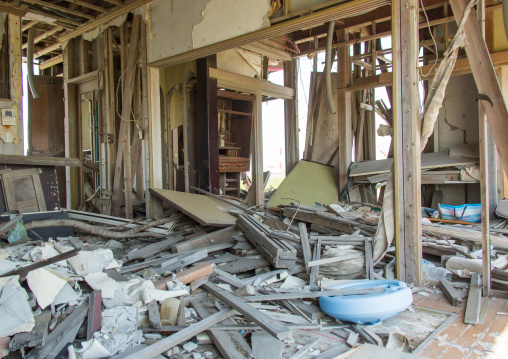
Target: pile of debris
x: 175, y: 287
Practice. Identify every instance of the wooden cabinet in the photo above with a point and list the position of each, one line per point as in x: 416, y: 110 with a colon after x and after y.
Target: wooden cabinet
x: 235, y: 116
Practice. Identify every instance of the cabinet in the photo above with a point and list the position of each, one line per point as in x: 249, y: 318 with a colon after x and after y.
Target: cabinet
x: 235, y: 116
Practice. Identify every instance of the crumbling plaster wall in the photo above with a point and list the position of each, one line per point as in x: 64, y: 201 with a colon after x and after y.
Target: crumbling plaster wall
x: 175, y: 27
x: 14, y: 146
x: 458, y: 124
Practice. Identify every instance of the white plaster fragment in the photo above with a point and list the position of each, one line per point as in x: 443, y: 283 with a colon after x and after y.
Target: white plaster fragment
x: 45, y: 285
x: 15, y: 312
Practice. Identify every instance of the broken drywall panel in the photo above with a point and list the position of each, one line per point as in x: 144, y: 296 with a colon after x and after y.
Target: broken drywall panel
x: 40, y: 18
x: 233, y: 61
x: 181, y: 26
x: 45, y: 285
x: 174, y: 75
x: 225, y: 19
x: 172, y: 23
x: 16, y: 314
x: 116, y: 22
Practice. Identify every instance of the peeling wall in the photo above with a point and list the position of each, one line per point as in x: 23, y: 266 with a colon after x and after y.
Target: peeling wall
x: 181, y: 26
x: 16, y: 101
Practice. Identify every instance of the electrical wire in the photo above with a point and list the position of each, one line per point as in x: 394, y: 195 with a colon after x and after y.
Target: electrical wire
x: 433, y: 39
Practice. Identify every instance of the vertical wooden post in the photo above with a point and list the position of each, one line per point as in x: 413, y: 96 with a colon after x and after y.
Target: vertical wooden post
x: 71, y: 173
x: 257, y: 153
x: 343, y: 112
x: 292, y: 139
x: 485, y: 176
x: 145, y: 146
x: 208, y: 129
x: 155, y: 140
x: 407, y: 135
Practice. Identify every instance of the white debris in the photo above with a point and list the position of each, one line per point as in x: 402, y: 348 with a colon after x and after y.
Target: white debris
x: 314, y: 353
x: 189, y: 346
x: 46, y: 251
x: 15, y: 312
x: 292, y: 282
x: 66, y: 296
x: 153, y: 336
x: 6, y: 266
x: 45, y: 285
x: 196, y: 356
x: 101, y: 281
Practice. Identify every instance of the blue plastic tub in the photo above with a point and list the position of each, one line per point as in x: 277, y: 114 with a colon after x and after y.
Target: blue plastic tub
x: 368, y: 308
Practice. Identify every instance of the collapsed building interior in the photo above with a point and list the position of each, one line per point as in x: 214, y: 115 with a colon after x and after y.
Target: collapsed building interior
x: 141, y: 128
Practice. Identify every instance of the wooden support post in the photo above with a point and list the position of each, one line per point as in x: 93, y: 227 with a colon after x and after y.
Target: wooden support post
x: 70, y: 126
x: 257, y: 152
x: 304, y: 237
x: 485, y: 177
x: 155, y: 139
x: 292, y: 139
x: 344, y: 112
x: 145, y: 157
x: 207, y: 127
x: 94, y: 314
x: 407, y: 141
x: 185, y: 121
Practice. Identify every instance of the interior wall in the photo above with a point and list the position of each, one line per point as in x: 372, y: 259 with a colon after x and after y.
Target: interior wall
x: 11, y: 136
x: 458, y: 124
x: 175, y: 27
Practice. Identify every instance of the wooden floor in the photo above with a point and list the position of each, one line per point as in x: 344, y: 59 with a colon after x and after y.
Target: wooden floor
x: 459, y: 340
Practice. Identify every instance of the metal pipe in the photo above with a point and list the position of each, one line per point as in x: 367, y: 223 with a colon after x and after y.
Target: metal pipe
x: 328, y: 68
x: 30, y: 63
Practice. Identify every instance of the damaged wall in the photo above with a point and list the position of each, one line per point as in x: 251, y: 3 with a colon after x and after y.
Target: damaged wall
x: 175, y: 27
x: 11, y: 136
x: 458, y: 124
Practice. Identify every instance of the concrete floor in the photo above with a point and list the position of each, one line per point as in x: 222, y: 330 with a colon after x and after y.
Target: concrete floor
x: 459, y: 340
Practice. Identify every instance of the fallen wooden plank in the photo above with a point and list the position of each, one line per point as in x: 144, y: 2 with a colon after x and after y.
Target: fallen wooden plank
x: 64, y: 333
x: 352, y: 339
x: 181, y: 261
x: 200, y: 270
x: 305, y: 349
x: 369, y: 262
x: 243, y: 265
x: 273, y: 327
x: 304, y: 237
x: 325, y: 293
x: 464, y: 234
x: 23, y: 271
x: 474, y: 302
x: 329, y: 260
x: 94, y: 322
x: 228, y: 327
x: 316, y: 218
x: 181, y: 336
x: 314, y: 271
x: 265, y: 346
x: 216, y: 237
x: 154, y: 316
x: 36, y: 337
x: 231, y: 344
x: 451, y: 293
x: 39, y: 161
x: 146, y: 251
x: 206, y: 210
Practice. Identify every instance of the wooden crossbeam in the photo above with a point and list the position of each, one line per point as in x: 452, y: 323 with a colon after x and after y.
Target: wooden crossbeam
x: 47, y: 50
x: 87, y: 5
x: 117, y: 11
x: 48, y: 5
x: 44, y: 36
x: 10, y: 9
x: 28, y: 25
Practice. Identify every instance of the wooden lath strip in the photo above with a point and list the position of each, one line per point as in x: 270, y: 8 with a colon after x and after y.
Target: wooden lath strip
x: 47, y: 50
x: 28, y: 25
x: 51, y: 62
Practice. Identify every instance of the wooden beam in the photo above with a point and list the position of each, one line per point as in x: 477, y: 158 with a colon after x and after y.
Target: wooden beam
x: 407, y: 135
x: 87, y: 5
x: 47, y: 50
x: 291, y: 129
x: 117, y: 11
x: 28, y: 25
x: 48, y: 5
x: 44, y: 36
x: 155, y: 139
x: 274, y: 327
x: 257, y: 151
x: 10, y: 9
x: 39, y: 161
x: 233, y: 81
x: 51, y: 62
x: 345, y: 129
x: 270, y: 51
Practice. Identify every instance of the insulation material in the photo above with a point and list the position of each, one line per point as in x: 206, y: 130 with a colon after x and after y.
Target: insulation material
x: 15, y: 311
x: 117, y: 22
x: 220, y: 16
x: 470, y: 174
x: 349, y: 268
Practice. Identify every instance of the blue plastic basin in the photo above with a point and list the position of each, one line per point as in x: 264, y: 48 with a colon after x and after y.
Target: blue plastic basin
x: 368, y: 308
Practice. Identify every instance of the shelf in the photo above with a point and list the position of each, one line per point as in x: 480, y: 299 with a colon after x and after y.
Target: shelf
x: 231, y: 189
x: 228, y: 180
x: 234, y: 112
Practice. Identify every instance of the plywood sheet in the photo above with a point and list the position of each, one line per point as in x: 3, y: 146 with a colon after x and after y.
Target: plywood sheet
x: 307, y: 183
x: 429, y: 160
x: 206, y: 210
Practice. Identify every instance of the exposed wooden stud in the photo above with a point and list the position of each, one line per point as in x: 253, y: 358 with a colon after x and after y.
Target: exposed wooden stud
x: 51, y: 62
x: 47, y: 50
x: 155, y: 139
x: 257, y: 151
x: 29, y: 25
x: 407, y: 141
x: 145, y: 146
x: 87, y: 5
x: 291, y: 129
x: 44, y: 36
x: 10, y: 9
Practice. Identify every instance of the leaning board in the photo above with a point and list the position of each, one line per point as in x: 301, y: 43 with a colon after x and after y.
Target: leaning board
x: 206, y: 210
